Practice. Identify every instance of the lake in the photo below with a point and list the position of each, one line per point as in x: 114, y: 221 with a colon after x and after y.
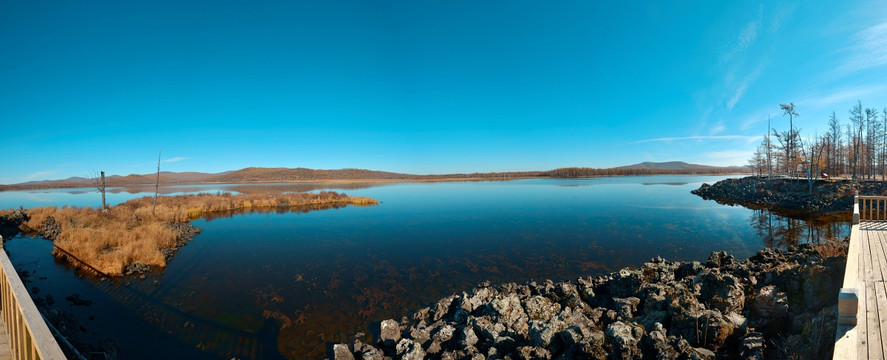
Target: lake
x: 287, y: 284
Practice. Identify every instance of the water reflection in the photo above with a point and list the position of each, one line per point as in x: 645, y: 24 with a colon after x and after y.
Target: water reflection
x: 90, y: 197
x: 785, y: 231
x: 260, y: 285
x: 245, y: 188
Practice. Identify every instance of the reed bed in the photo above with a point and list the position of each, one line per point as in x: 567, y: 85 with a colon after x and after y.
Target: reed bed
x: 128, y: 233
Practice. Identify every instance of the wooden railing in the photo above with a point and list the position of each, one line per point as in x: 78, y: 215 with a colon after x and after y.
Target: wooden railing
x: 846, y: 336
x: 872, y: 208
x: 29, y: 337
x: 848, y: 297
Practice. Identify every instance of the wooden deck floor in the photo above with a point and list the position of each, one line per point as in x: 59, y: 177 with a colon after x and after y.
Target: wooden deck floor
x: 872, y: 317
x: 5, y: 352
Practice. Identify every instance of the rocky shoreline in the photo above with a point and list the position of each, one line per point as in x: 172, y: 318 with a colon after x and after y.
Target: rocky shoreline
x: 776, y: 304
x: 788, y: 194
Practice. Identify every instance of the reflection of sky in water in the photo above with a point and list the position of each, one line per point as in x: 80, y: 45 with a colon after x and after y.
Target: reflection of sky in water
x: 91, y: 197
x: 297, y: 280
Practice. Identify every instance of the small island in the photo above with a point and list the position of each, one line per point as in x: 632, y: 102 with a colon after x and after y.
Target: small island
x: 817, y: 196
x: 136, y: 235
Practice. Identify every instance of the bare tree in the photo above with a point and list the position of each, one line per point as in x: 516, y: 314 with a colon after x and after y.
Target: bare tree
x: 156, y: 186
x: 781, y: 145
x: 769, y: 147
x: 99, y: 184
x: 758, y: 161
x: 849, y: 154
x: 813, y: 157
x: 789, y: 109
x: 872, y: 131
x: 834, y: 143
x: 859, y: 124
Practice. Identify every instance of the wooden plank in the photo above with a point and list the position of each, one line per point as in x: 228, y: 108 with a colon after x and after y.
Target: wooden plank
x: 880, y: 249
x: 851, y: 271
x: 846, y: 341
x: 856, y: 233
x: 872, y: 322
x: 881, y: 295
x: 866, y: 257
x: 878, y: 252
x: 862, y: 325
x: 874, y: 251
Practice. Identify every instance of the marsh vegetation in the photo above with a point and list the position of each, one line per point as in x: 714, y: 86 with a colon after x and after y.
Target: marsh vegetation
x: 108, y: 241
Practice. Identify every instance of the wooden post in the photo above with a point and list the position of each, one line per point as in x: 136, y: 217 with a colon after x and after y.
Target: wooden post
x: 103, y: 191
x: 856, y: 208
x: 156, y: 186
x: 848, y: 305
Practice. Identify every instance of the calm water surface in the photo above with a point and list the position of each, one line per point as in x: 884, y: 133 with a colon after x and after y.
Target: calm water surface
x: 284, y: 285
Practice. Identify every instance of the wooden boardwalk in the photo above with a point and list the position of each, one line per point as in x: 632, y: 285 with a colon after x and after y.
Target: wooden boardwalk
x: 862, y: 303
x: 5, y: 351
x: 23, y: 332
x: 872, y: 316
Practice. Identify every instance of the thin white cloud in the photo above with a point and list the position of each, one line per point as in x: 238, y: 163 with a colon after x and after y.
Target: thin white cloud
x: 869, y: 49
x: 744, y: 84
x: 164, y: 161
x: 756, y: 118
x: 35, y: 175
x: 842, y: 97
x: 175, y: 159
x: 700, y: 138
x: 748, y: 35
x: 778, y: 17
x: 727, y: 154
x: 746, y: 39
x: 718, y: 129
x: 726, y: 157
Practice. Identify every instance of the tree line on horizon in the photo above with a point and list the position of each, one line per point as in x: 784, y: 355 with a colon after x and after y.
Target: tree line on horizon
x: 577, y: 172
x: 857, y: 148
x: 256, y: 175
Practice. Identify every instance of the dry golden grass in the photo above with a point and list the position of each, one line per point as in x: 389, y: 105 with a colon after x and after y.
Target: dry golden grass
x: 129, y: 233
x: 829, y: 248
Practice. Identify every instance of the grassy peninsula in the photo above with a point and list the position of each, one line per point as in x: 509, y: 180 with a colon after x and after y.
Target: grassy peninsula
x: 131, y: 233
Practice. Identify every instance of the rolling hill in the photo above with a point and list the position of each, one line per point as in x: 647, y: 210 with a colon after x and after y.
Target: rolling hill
x: 668, y: 165
x: 264, y: 175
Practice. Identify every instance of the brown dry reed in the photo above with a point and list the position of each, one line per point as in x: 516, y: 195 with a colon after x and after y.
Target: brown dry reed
x: 831, y: 247
x: 129, y: 233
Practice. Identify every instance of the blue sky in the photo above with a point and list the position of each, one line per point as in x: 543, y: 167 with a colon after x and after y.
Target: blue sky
x: 420, y: 86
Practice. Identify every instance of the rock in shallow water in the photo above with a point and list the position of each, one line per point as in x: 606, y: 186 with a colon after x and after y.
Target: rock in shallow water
x: 665, y: 311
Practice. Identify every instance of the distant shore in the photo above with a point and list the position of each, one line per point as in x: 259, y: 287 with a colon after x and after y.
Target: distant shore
x: 113, y: 183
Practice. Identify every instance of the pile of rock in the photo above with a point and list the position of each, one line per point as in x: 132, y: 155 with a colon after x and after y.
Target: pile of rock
x: 779, y: 193
x: 775, y: 302
x: 753, y: 191
x: 10, y: 222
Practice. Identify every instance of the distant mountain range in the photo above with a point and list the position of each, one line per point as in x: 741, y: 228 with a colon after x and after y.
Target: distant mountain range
x: 676, y: 165
x: 264, y: 175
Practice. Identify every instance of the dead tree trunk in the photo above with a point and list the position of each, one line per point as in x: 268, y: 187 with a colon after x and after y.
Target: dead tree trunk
x: 99, y: 183
x: 156, y: 186
x: 103, y: 191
